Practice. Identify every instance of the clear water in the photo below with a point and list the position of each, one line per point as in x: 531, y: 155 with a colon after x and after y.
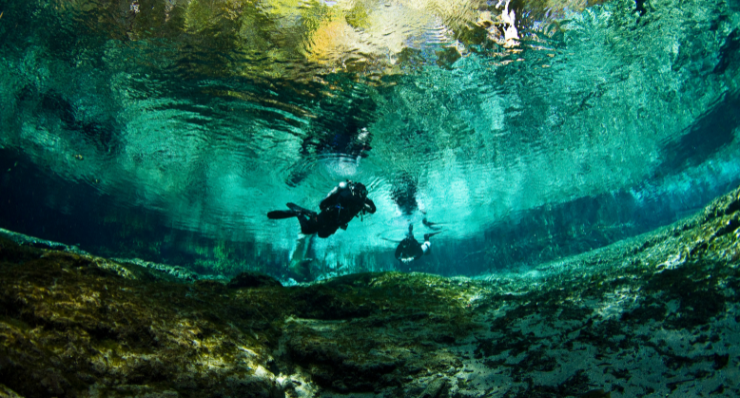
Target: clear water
x: 167, y: 129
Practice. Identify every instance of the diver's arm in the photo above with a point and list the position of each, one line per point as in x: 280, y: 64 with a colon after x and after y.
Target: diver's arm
x: 369, y: 206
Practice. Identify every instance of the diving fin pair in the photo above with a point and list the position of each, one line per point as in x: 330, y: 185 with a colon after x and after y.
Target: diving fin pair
x: 294, y: 211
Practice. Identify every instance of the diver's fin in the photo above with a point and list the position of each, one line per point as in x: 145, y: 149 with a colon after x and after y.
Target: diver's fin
x: 431, y: 225
x: 427, y: 236
x: 391, y: 240
x: 281, y: 214
x: 299, y: 210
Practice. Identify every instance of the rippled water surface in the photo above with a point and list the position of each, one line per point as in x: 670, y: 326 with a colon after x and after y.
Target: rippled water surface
x: 167, y: 129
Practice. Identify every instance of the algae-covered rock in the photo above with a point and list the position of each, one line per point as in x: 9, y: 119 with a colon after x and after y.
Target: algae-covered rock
x: 29, y: 241
x: 211, y: 285
x: 71, y: 327
x: 6, y: 392
x: 162, y: 271
x: 252, y: 279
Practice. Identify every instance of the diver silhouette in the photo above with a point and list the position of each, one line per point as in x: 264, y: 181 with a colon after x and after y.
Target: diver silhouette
x: 410, y: 249
x: 341, y: 205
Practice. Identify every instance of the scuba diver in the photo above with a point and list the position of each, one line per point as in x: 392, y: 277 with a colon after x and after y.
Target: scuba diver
x: 341, y: 205
x: 410, y: 249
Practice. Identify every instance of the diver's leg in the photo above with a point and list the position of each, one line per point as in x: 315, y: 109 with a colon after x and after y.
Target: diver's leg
x: 281, y: 214
x: 326, y: 231
x: 431, y: 225
x: 309, y: 225
x: 300, y: 210
x: 294, y: 211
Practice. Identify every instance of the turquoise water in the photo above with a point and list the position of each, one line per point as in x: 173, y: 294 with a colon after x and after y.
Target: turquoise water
x: 166, y: 130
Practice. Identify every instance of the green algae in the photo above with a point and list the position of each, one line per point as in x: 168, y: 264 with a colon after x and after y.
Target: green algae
x: 122, y: 318
x: 122, y: 329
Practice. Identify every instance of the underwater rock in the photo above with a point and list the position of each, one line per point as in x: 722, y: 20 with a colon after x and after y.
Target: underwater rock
x: 211, y: 285
x: 5, y: 392
x: 252, y: 279
x: 436, y: 389
x: 24, y: 240
x: 70, y: 332
x: 175, y: 271
x: 654, y: 315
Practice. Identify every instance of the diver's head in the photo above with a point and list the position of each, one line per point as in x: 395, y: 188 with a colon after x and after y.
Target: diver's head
x: 359, y: 189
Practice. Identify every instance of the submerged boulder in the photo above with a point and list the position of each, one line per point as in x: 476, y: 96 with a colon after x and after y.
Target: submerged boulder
x: 252, y: 279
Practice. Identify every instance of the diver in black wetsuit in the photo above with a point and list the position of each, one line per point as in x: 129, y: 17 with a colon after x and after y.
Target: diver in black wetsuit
x: 341, y: 205
x: 410, y: 249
